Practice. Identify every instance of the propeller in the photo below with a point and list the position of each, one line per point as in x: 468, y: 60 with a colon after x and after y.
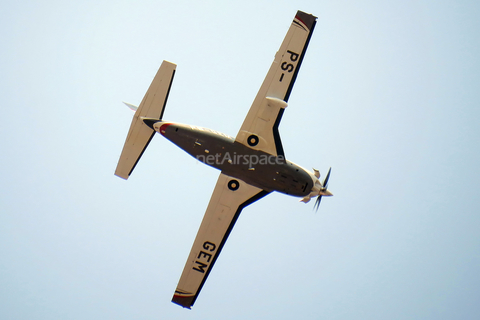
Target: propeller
x: 322, y: 190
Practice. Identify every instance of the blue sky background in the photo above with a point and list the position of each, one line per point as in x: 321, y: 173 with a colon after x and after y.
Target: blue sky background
x: 388, y: 96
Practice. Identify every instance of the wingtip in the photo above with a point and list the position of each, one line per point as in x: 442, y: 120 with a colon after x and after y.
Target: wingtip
x: 308, y: 19
x: 121, y: 175
x: 184, y: 301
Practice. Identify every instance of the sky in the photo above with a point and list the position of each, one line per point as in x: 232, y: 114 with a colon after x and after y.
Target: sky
x: 387, y: 96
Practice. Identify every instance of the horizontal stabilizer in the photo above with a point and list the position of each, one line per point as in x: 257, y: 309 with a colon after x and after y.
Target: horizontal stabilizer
x: 152, y: 106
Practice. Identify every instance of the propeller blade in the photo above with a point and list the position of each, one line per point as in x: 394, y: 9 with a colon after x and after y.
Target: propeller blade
x: 317, y: 203
x: 322, y: 190
x: 325, y: 182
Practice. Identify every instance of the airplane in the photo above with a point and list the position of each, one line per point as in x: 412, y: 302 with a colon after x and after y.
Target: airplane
x: 252, y: 164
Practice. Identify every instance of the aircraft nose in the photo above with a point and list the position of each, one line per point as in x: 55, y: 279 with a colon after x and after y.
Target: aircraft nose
x: 326, y: 193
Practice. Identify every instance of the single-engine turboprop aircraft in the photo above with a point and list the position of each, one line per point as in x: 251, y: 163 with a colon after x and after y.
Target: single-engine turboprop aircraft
x: 252, y: 164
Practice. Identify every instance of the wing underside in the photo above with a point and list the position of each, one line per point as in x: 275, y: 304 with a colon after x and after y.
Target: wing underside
x: 229, y: 197
x: 260, y: 128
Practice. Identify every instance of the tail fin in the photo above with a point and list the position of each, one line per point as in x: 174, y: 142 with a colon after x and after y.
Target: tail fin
x: 152, y: 106
x: 131, y: 106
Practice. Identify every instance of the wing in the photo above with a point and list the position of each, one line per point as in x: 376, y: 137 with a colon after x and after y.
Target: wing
x: 260, y: 128
x: 230, y: 196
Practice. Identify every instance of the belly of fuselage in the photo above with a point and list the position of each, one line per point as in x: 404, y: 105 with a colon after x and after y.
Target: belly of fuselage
x: 255, y: 167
